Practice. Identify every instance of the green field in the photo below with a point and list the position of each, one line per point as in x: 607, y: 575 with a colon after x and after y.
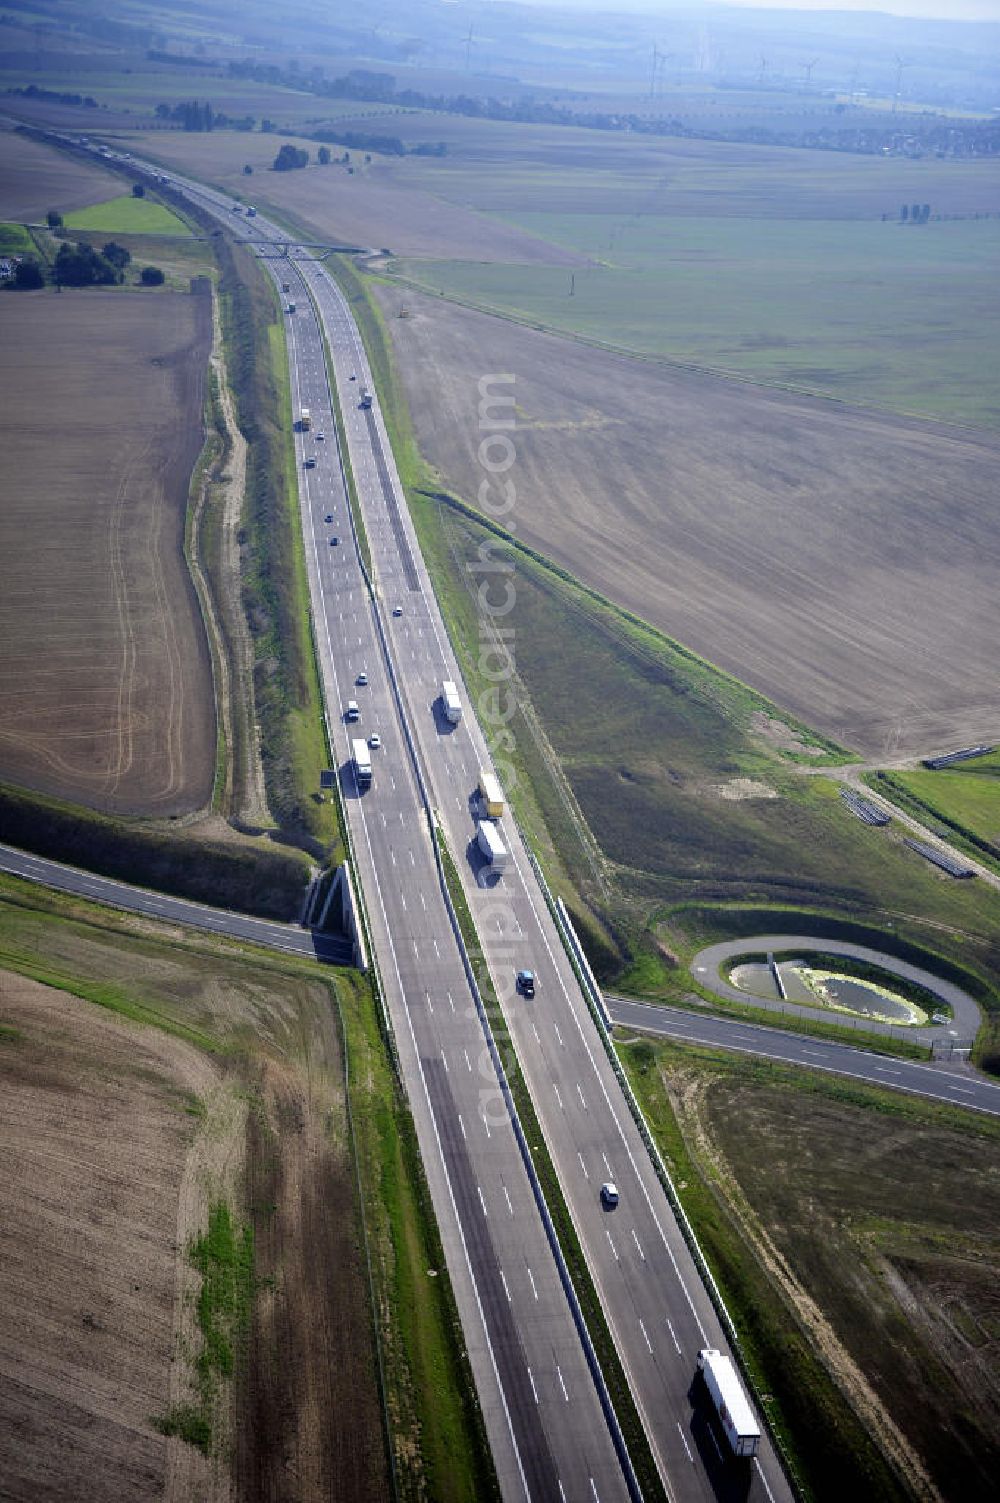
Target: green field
x: 127, y: 215
x: 965, y: 798
x: 879, y: 313
x: 15, y: 241
x: 831, y: 1225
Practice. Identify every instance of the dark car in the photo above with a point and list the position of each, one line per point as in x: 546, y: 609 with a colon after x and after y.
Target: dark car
x: 334, y: 541
x: 328, y: 517
x: 526, y: 983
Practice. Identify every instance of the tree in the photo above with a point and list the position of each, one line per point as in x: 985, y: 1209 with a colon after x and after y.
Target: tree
x: 323, y: 156
x: 915, y: 213
x: 54, y: 220
x: 138, y: 191
x: 151, y: 276
x: 28, y: 276
x: 926, y: 213
x: 904, y: 213
x: 81, y: 266
x: 289, y: 157
x: 116, y: 254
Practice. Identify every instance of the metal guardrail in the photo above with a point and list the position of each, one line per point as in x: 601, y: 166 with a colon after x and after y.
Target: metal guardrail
x: 600, y: 1013
x: 565, y: 1278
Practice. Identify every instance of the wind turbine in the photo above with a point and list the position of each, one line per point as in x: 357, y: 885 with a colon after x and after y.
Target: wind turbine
x: 762, y: 73
x: 809, y: 72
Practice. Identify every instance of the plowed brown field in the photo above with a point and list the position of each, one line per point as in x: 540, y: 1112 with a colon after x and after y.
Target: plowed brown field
x: 841, y: 561
x: 93, y: 1140
x: 35, y: 178
x: 105, y: 683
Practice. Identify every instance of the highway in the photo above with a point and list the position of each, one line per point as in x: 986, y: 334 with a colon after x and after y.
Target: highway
x: 956, y: 1085
x: 542, y: 1410
x: 657, y: 1307
x: 549, y: 1435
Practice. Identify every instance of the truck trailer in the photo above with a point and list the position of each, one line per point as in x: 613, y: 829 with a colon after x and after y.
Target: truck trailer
x: 491, y: 794
x: 362, y: 763
x: 366, y: 397
x: 305, y: 420
x: 492, y: 846
x: 451, y: 702
x: 730, y: 1400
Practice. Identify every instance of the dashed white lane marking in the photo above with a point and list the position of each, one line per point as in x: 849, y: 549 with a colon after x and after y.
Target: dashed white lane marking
x: 506, y: 1194
x: 683, y: 1437
x: 582, y: 1164
x: 482, y: 1198
x: 638, y: 1244
x: 531, y: 1280
x: 673, y: 1337
x: 562, y: 1385
x: 613, y: 1247
x: 505, y: 1289
x: 645, y: 1336
x: 531, y: 1380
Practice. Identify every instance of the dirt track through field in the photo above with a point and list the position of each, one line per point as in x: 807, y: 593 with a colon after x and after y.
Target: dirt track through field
x: 105, y: 684
x: 842, y: 561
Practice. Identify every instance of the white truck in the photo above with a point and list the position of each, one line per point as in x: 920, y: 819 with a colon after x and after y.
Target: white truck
x: 492, y: 846
x: 305, y: 420
x: 366, y: 397
x: 730, y: 1400
x: 362, y: 763
x: 451, y: 702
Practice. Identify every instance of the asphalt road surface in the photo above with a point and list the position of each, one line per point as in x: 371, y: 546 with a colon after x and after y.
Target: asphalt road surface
x: 289, y: 937
x: 956, y: 1085
x: 539, y: 1401
x: 548, y: 1432
x: 707, y: 965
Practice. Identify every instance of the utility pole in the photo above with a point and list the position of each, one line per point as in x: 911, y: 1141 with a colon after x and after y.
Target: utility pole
x: 901, y: 63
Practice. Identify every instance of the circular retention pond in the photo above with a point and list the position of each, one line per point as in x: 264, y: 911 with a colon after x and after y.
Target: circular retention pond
x: 815, y: 986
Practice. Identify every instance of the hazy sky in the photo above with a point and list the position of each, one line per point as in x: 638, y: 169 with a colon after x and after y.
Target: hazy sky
x: 945, y: 10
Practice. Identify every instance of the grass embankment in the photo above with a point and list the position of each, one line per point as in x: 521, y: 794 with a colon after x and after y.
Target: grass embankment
x: 834, y: 1239
x: 241, y: 1004
x: 253, y: 877
x: 593, y: 1313
x: 275, y: 585
x: 127, y: 215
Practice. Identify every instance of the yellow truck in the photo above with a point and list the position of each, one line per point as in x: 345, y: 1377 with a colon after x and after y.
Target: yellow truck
x: 491, y: 794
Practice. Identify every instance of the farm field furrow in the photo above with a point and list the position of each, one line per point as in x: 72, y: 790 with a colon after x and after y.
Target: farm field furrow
x: 105, y: 686
x: 796, y: 543
x: 357, y: 209
x: 34, y: 179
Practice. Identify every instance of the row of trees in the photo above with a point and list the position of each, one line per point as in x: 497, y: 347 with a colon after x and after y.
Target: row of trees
x: 193, y: 115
